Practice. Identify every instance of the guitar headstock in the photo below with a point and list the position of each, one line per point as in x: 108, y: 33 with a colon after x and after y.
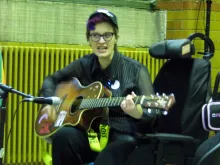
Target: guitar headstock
x: 164, y: 102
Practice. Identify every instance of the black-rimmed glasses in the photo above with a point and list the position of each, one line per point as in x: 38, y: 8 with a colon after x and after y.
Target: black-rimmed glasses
x: 106, y: 36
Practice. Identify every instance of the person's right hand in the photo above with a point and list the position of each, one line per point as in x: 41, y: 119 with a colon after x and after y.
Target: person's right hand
x: 50, y: 111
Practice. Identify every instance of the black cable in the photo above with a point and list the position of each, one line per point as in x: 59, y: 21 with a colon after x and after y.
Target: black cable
x: 197, y: 20
x: 204, y: 18
x: 10, y: 130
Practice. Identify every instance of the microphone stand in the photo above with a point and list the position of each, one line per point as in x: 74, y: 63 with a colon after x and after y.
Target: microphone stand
x: 3, y: 96
x: 4, y: 90
x: 208, y: 15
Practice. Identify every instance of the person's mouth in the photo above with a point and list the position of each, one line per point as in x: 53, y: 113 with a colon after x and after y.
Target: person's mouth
x: 102, y: 47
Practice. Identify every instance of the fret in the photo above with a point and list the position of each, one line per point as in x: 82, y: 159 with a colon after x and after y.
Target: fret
x: 95, y: 103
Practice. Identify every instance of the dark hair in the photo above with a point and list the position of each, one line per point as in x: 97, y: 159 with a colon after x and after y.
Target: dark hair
x: 98, y: 18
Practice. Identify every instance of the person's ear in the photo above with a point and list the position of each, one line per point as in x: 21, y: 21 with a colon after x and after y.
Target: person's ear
x: 89, y: 42
x: 116, y: 39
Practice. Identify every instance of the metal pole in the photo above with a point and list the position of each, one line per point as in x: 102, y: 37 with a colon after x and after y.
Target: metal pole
x: 208, y: 15
x: 4, y: 90
x: 3, y: 96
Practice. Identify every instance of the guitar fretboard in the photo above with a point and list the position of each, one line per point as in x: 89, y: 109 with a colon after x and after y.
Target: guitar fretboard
x: 106, y: 102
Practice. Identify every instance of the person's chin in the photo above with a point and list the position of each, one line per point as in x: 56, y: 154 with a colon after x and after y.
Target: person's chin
x: 102, y: 54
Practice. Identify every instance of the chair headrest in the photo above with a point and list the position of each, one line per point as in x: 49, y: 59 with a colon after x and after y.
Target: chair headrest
x: 171, y: 49
x: 181, y: 48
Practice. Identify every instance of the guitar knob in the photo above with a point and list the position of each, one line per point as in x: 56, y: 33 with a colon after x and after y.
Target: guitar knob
x: 165, y: 112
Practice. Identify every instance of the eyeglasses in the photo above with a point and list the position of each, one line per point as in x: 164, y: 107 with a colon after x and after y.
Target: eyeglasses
x: 106, y: 36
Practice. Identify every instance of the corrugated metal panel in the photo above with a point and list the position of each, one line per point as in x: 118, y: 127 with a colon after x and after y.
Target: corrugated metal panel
x: 25, y: 68
x: 24, y: 25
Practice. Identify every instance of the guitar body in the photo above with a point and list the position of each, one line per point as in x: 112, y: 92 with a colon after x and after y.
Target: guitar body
x: 51, y: 118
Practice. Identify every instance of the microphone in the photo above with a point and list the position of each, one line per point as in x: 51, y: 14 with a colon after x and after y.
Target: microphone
x: 44, y: 100
x: 5, y: 87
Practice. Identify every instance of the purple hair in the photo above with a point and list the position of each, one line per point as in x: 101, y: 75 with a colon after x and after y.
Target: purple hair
x: 97, y: 19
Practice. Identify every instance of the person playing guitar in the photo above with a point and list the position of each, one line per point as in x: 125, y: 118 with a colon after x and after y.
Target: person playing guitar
x: 104, y: 85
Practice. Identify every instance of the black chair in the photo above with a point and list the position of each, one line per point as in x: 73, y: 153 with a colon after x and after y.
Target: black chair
x: 208, y: 152
x: 216, y: 93
x: 179, y: 133
x: 211, y: 157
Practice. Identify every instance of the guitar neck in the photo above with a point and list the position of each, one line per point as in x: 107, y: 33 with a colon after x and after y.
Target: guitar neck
x: 107, y: 102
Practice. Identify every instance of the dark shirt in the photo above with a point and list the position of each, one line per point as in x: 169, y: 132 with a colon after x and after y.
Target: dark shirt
x: 132, y: 76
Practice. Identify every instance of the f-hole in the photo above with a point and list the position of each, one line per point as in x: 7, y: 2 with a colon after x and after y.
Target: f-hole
x: 75, y: 106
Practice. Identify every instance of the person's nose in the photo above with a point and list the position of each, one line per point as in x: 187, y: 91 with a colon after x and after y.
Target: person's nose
x: 101, y: 40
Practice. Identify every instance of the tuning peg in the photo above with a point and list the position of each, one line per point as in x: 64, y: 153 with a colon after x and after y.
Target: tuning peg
x: 165, y: 96
x: 152, y: 96
x: 158, y: 96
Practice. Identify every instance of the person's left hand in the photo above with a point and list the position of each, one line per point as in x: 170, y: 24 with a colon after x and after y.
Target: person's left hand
x: 130, y: 108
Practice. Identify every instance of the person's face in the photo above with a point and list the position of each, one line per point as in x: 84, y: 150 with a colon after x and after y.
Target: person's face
x: 103, y: 46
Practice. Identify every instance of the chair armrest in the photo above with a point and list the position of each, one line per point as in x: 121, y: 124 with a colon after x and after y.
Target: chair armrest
x: 170, y: 148
x: 168, y: 137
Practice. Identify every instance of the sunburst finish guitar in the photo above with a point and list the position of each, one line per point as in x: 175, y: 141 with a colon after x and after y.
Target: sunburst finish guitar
x: 81, y: 105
